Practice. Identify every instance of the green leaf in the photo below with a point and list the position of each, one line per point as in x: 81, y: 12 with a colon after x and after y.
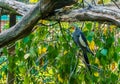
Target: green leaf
x: 4, y: 68
x: 26, y: 40
x: 89, y: 26
x: 2, y: 59
x: 5, y: 51
x: 115, y: 56
x: 104, y: 52
x: 0, y: 76
x: 22, y: 69
x: 119, y: 65
x: 114, y: 78
x: 32, y: 51
x: 26, y: 81
x: 110, y: 41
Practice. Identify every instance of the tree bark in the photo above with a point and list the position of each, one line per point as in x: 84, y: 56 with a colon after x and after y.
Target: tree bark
x: 44, y: 9
x: 11, y: 74
x: 96, y: 13
x: 24, y: 27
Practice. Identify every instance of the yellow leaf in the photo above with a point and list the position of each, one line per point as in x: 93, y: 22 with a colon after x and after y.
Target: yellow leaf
x: 100, y: 2
x: 65, y: 52
x: 97, y: 61
x: 92, y: 45
x: 112, y: 27
x: 105, y: 31
x: 85, y: 29
x: 44, y: 50
x: 65, y: 25
x: 44, y: 21
x: 50, y: 71
x: 41, y: 50
x: 113, y: 66
x: 33, y: 1
x: 96, y: 74
x: 60, y: 79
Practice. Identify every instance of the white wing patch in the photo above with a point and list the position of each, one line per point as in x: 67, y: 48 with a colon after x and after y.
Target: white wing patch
x: 81, y: 41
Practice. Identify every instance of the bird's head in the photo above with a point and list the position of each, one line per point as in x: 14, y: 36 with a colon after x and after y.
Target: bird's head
x: 74, y: 28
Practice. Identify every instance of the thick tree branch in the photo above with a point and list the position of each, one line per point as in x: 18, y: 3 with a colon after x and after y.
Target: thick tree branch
x: 20, y: 8
x: 44, y: 9
x: 24, y: 27
x: 15, y: 6
x: 97, y: 13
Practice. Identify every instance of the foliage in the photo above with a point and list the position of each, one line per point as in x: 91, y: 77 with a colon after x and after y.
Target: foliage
x: 49, y: 55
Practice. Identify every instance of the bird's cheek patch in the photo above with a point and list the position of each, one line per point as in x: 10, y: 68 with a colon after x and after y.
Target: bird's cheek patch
x: 82, y: 41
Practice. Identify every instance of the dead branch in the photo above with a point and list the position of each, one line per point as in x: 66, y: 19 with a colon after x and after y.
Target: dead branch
x: 24, y: 27
x: 45, y: 10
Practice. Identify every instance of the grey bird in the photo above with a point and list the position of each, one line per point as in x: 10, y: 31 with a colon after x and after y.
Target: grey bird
x: 80, y: 41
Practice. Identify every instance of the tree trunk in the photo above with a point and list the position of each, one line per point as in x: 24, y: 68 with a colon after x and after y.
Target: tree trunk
x: 11, y: 74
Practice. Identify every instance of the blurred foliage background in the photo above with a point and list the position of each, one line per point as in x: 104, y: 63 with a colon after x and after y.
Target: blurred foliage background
x: 49, y: 56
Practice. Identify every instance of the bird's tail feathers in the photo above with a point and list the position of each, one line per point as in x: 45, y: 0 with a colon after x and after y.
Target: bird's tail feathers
x: 87, y: 61
x: 88, y: 49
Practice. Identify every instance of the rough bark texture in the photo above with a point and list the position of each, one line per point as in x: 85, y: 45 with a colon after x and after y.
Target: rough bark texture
x: 14, y: 7
x: 45, y: 9
x: 11, y: 75
x: 24, y: 27
x: 96, y: 13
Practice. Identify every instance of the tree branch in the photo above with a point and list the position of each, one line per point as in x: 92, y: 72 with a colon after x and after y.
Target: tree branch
x: 96, y: 13
x: 46, y: 8
x: 24, y: 27
x: 15, y: 7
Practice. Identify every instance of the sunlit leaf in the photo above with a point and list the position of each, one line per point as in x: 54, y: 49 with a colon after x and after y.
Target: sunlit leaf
x: 42, y: 50
x: 65, y: 52
x: 97, y: 61
x: 50, y: 71
x: 113, y: 66
x: 105, y: 31
x: 96, y: 74
x: 92, y: 45
x: 112, y: 27
x: 60, y: 79
x: 26, y: 80
x: 33, y: 1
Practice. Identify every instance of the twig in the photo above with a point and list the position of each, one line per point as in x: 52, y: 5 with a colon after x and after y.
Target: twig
x: 63, y: 33
x: 82, y: 25
x: 115, y: 4
x: 103, y: 3
x: 90, y: 6
x: 73, y: 70
x: 47, y: 25
x: 40, y: 57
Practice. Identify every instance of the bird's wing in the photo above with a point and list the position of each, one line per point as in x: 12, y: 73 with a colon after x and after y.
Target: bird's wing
x: 75, y: 39
x: 84, y: 39
x: 82, y: 42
